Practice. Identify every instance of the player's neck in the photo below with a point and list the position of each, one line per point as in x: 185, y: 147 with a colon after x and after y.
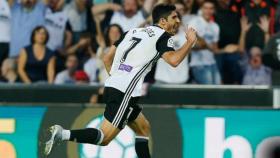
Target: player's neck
x: 161, y: 26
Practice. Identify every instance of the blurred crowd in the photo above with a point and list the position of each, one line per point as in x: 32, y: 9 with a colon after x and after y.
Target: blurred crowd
x: 64, y: 41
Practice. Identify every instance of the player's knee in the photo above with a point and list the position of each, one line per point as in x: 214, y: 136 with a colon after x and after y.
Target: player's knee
x: 105, y: 142
x: 145, y: 129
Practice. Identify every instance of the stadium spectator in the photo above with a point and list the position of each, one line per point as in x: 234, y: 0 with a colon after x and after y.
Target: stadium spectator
x: 26, y: 15
x: 229, y: 55
x: 245, y: 28
x: 256, y: 73
x: 131, y: 17
x: 196, y: 7
x: 271, y: 56
x: 58, y: 26
x: 60, y: 31
x: 257, y: 12
x: 81, y: 77
x: 8, y: 71
x: 180, y: 9
x: 187, y: 12
x: 67, y: 76
x: 5, y: 32
x: 112, y: 34
x: 36, y: 62
x: 90, y: 67
x: 80, y: 49
x: 128, y: 18
x: 77, y: 11
x: 166, y: 74
x: 104, y: 12
x: 203, y: 64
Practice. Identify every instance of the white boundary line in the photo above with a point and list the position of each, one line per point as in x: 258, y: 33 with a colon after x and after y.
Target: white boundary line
x: 191, y: 86
x: 276, y: 98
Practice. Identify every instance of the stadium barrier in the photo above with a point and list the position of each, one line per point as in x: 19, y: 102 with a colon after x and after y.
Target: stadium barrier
x: 260, y: 96
x: 177, y: 132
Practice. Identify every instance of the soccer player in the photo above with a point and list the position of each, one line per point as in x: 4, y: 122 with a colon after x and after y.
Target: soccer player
x: 127, y: 62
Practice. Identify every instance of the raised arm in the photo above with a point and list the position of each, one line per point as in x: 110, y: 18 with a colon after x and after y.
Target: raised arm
x: 83, y: 42
x: 245, y: 26
x: 174, y: 58
x: 101, y: 8
x: 264, y: 26
x: 99, y: 34
x: 148, y: 6
x: 109, y: 57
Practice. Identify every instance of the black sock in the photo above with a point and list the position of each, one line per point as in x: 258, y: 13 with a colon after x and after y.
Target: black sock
x: 142, y: 147
x: 88, y: 135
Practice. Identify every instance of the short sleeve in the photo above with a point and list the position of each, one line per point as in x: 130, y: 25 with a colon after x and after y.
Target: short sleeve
x: 120, y: 40
x: 217, y: 33
x: 164, y: 44
x: 68, y: 26
x: 193, y: 23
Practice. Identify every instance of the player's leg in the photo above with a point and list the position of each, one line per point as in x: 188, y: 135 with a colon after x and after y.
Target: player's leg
x: 110, y: 132
x: 102, y: 136
x: 141, y: 127
x: 115, y: 116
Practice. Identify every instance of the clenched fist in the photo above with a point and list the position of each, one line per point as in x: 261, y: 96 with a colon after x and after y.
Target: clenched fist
x: 191, y: 36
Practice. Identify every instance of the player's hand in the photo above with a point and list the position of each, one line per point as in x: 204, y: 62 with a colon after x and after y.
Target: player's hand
x: 191, y: 36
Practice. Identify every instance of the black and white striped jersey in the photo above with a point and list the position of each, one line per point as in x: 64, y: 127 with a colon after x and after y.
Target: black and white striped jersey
x: 137, y: 50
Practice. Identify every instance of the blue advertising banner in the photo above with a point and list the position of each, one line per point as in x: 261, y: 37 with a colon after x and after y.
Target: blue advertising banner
x: 229, y: 133
x: 19, y: 129
x: 188, y: 133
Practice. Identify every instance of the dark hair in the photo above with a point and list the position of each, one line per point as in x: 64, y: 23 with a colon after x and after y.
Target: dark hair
x: 162, y: 11
x: 32, y: 38
x: 179, y: 15
x: 209, y: 1
x: 107, y: 40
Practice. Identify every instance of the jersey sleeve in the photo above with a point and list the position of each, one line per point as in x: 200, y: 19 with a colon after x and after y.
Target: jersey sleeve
x: 216, y: 33
x: 68, y: 26
x: 164, y: 44
x: 120, y: 40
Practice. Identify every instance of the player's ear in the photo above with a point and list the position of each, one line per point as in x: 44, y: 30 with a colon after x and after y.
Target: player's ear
x: 163, y: 21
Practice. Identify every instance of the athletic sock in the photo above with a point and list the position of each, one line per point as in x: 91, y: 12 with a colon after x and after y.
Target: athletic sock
x: 65, y: 135
x: 88, y: 135
x: 142, y: 147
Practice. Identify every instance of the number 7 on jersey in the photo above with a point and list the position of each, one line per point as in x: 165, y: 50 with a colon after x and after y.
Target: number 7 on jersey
x: 135, y: 41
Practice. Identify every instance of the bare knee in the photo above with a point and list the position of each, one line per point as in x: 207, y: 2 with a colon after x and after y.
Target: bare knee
x: 107, y: 138
x: 144, y: 130
x: 105, y: 141
x: 109, y: 132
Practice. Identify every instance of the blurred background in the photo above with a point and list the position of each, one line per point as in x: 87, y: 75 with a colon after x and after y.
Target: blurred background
x: 221, y: 102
